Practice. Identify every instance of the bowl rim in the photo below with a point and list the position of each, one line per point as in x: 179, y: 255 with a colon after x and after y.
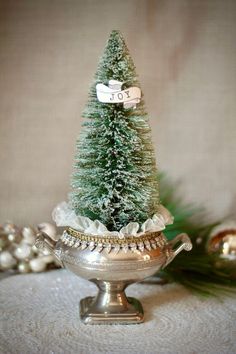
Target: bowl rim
x: 147, y: 236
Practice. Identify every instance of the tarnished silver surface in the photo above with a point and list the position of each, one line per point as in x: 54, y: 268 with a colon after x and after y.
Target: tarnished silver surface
x: 112, y: 269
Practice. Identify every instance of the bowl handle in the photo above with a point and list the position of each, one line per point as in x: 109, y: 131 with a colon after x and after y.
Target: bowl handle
x: 44, y: 241
x: 182, y: 241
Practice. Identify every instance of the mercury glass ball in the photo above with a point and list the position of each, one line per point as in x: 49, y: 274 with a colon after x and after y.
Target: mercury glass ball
x: 7, y: 261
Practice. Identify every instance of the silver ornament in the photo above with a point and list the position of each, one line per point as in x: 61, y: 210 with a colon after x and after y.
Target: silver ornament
x: 9, y: 227
x: 47, y: 259
x: 3, y: 242
x: 29, y: 235
x: 23, y: 251
x: 37, y: 265
x: 221, y: 246
x: 17, y: 249
x: 14, y: 237
x: 222, y: 241
x: 23, y: 267
x: 35, y: 249
x: 7, y: 261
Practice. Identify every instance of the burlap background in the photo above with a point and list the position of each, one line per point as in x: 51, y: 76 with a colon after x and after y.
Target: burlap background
x: 185, y: 53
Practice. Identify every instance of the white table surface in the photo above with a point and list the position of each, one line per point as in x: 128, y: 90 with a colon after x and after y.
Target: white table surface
x: 39, y: 314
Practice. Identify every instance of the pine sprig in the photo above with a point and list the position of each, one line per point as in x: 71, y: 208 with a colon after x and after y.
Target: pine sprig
x: 197, y: 270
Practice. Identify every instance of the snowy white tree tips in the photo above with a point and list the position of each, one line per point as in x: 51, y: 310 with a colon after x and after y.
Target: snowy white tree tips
x: 115, y: 175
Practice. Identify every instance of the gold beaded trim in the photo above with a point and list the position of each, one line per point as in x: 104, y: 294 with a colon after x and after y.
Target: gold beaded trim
x: 108, y: 239
x: 148, y: 241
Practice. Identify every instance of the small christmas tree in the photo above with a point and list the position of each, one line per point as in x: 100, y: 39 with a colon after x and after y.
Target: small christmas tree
x: 114, y: 178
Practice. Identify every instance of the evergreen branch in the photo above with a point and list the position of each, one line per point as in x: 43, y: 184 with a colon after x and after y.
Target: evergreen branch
x: 196, y: 269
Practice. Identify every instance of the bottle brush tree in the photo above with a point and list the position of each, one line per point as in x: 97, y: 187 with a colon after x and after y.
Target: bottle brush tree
x: 115, y: 176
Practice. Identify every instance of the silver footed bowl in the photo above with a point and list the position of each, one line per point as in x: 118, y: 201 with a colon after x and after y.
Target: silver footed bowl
x: 113, y: 264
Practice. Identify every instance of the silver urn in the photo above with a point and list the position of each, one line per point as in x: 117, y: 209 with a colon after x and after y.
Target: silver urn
x: 113, y: 264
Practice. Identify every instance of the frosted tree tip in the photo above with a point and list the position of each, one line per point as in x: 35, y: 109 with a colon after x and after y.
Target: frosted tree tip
x: 116, y: 35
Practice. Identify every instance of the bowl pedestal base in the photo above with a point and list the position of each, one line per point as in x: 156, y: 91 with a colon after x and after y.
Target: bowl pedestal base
x: 111, y: 306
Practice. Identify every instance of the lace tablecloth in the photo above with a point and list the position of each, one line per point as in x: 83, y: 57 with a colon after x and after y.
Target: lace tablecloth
x: 39, y: 314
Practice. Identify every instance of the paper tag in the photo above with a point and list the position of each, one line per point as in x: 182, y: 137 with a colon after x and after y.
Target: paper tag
x: 113, y: 94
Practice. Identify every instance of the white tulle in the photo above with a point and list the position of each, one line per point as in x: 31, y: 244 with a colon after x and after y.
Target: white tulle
x: 63, y: 215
